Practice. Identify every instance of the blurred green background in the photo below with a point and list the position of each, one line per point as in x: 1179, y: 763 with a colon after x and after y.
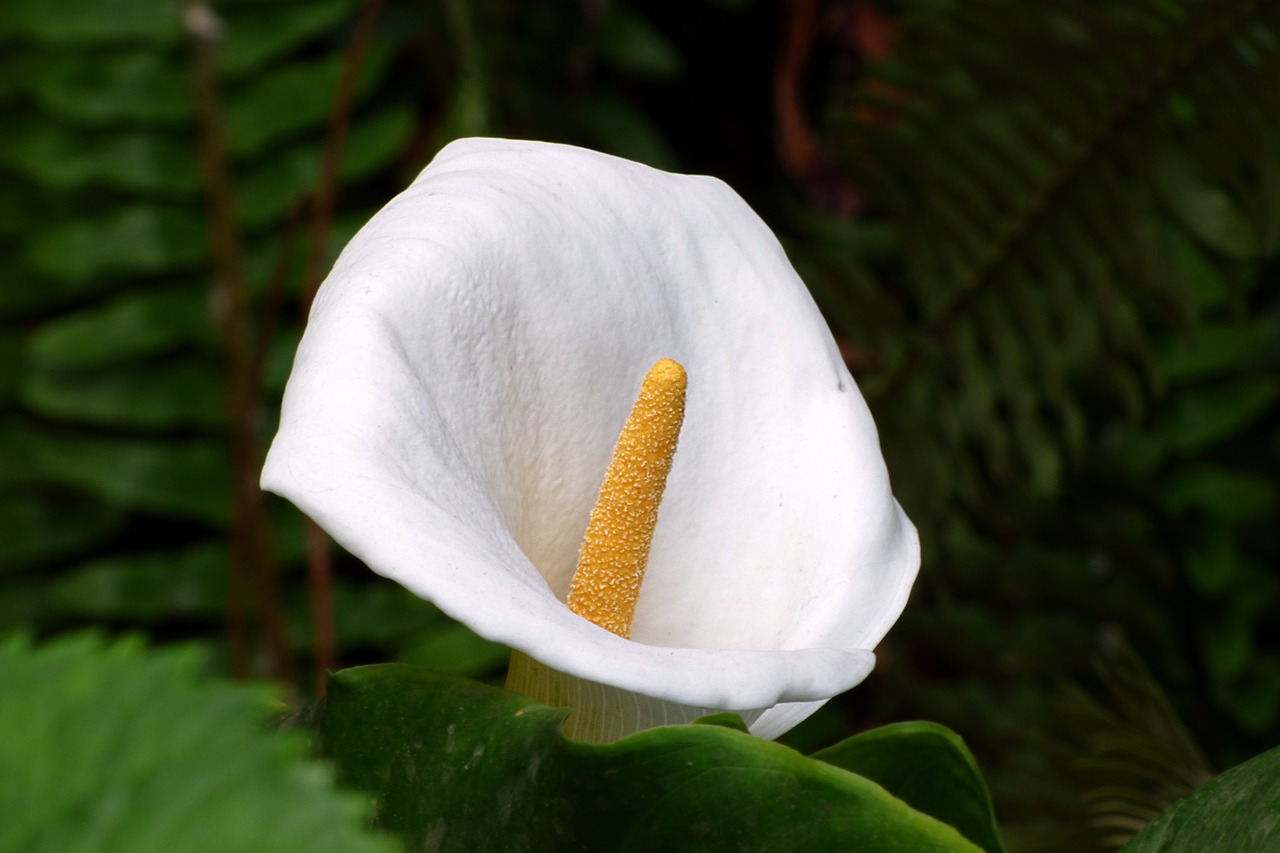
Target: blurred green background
x: 1044, y: 234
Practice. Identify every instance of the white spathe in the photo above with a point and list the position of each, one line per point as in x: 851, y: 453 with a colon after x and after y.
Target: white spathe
x: 465, y: 372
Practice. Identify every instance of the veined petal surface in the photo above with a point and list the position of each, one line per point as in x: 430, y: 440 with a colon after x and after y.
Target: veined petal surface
x: 464, y: 374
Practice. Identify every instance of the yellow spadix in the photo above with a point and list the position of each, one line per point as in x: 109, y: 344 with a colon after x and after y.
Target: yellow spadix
x: 615, y: 548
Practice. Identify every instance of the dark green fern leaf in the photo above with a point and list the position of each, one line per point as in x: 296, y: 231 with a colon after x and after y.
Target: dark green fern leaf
x: 1051, y: 168
x: 1134, y: 756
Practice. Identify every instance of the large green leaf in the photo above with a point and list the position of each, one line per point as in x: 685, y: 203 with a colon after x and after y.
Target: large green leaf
x: 1239, y: 810
x: 929, y: 767
x: 456, y: 765
x: 111, y: 747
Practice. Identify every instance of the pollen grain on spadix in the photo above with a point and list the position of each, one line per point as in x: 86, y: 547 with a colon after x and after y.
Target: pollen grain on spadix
x: 615, y: 548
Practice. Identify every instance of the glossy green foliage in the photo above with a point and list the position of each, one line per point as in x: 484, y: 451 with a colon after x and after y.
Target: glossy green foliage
x: 455, y: 765
x: 112, y: 747
x: 1239, y: 810
x: 928, y: 767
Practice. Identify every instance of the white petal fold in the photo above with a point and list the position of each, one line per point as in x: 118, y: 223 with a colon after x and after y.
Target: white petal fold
x: 465, y: 372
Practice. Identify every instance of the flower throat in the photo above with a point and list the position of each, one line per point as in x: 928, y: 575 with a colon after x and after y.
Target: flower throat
x: 615, y: 548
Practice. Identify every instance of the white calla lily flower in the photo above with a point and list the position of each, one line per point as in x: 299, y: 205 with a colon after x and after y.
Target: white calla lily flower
x: 466, y: 370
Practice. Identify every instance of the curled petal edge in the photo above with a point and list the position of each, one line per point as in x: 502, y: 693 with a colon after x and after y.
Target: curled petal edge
x: 351, y: 451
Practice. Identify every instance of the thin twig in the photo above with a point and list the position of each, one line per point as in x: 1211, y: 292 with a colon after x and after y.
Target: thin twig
x: 273, y: 297
x: 319, y: 562
x: 799, y: 150
x: 327, y: 185
x: 249, y: 558
x: 797, y: 143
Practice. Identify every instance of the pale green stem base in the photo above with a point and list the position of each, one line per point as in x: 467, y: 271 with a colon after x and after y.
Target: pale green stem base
x: 601, y: 713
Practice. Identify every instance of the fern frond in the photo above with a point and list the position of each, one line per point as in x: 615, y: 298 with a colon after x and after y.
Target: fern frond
x: 1050, y: 166
x: 1137, y: 756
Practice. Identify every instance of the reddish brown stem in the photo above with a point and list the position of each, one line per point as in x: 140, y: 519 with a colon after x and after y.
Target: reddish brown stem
x: 799, y: 149
x: 797, y: 145
x: 319, y: 562
x: 249, y: 558
x: 273, y: 296
x: 335, y: 141
x: 319, y: 575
